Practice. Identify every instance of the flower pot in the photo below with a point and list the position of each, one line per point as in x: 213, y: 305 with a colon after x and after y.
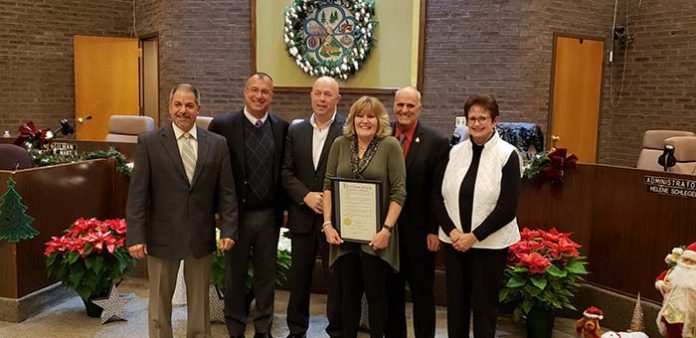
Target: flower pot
x: 540, y: 322
x: 93, y: 310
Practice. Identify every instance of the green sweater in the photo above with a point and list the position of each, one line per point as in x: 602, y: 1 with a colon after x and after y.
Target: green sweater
x: 387, y: 165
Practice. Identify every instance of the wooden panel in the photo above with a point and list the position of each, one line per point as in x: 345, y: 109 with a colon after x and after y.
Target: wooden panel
x: 106, y: 82
x: 625, y: 230
x: 576, y: 92
x: 55, y: 196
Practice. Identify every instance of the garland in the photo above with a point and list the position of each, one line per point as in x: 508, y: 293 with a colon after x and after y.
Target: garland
x: 345, y: 46
x: 43, y: 159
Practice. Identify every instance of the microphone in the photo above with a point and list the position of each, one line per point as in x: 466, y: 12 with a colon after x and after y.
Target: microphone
x: 667, y: 159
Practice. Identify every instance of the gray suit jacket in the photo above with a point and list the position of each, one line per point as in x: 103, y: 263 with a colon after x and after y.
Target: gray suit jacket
x: 174, y: 218
x: 298, y: 173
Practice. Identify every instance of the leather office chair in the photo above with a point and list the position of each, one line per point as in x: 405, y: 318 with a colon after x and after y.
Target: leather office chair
x: 684, y: 153
x: 653, y: 145
x: 203, y: 121
x: 125, y: 128
x: 14, y: 157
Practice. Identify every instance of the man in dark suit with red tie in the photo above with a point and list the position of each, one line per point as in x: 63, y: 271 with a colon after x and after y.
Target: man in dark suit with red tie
x: 306, y: 151
x: 423, y: 149
x: 181, y: 178
x: 256, y: 139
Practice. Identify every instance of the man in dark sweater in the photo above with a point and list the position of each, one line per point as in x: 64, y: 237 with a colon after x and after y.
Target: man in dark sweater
x: 256, y: 140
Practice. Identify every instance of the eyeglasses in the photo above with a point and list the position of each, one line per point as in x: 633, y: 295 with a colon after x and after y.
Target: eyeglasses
x: 479, y: 119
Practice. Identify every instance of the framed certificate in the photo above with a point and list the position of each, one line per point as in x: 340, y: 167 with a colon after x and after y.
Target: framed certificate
x: 357, y: 208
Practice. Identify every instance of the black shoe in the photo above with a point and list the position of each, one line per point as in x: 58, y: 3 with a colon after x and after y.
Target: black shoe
x: 297, y: 335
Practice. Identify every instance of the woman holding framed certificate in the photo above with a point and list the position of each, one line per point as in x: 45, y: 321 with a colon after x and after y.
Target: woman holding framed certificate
x: 363, y: 194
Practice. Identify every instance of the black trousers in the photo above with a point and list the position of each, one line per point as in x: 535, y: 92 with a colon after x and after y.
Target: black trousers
x: 473, y: 281
x: 304, y: 253
x: 418, y: 268
x: 368, y: 273
x: 258, y: 243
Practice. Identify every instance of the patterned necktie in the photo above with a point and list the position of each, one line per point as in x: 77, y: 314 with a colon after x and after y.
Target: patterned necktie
x: 402, y: 138
x: 188, y: 156
x: 258, y: 124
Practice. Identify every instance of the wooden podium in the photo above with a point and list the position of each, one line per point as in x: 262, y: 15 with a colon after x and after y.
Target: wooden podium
x: 625, y: 230
x: 55, y: 197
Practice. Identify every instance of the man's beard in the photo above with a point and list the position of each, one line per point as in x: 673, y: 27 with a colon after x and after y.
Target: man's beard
x: 683, y: 276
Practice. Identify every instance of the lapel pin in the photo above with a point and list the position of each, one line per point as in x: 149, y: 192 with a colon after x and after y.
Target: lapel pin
x: 417, y: 139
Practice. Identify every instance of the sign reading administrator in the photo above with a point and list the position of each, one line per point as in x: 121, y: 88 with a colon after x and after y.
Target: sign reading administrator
x: 671, y: 186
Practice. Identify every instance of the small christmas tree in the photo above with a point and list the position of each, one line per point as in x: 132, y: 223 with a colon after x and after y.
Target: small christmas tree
x: 637, y: 318
x: 15, y: 224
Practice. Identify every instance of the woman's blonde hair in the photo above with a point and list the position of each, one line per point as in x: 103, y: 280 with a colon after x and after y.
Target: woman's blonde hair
x: 365, y: 104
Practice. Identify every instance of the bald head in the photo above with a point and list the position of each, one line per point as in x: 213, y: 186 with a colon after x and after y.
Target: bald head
x: 325, y: 97
x: 407, y: 107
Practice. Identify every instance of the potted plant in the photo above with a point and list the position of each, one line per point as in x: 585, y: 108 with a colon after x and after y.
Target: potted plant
x: 543, y: 273
x: 89, y: 258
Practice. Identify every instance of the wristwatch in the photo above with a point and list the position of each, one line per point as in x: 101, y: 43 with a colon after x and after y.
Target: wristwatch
x: 388, y: 227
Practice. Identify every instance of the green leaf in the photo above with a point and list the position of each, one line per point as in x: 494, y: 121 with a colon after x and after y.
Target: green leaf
x: 72, y: 257
x: 517, y: 314
x: 539, y: 282
x: 76, y: 277
x: 527, y: 305
x: 502, y: 295
x: 577, y: 267
x: 50, y: 260
x: 515, y: 282
x: 556, y: 272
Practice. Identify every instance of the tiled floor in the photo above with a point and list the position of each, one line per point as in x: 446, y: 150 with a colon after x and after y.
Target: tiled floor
x: 68, y: 320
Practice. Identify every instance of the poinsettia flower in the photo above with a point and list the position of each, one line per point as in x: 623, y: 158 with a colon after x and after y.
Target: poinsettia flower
x: 567, y: 247
x: 117, y: 225
x: 535, y: 262
x: 56, y: 244
x: 528, y: 234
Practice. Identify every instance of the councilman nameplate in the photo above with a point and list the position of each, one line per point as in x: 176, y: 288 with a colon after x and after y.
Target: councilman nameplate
x: 671, y: 186
x: 357, y: 205
x: 64, y: 149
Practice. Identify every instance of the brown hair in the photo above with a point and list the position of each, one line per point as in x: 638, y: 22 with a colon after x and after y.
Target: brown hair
x: 487, y: 102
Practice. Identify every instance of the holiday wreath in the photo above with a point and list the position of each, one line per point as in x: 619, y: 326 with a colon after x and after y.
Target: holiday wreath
x: 330, y: 37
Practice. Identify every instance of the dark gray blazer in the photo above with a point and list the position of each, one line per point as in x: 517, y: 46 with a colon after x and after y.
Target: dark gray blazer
x: 173, y: 218
x: 299, y: 176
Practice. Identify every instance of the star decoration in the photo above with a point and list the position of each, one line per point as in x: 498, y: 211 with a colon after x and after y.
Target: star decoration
x: 114, y: 305
x: 217, y: 305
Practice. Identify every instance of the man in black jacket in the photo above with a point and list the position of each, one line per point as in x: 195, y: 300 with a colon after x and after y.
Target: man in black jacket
x: 306, y: 151
x: 423, y: 149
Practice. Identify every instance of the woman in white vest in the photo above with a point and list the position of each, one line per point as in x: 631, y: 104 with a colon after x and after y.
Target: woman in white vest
x: 475, y: 202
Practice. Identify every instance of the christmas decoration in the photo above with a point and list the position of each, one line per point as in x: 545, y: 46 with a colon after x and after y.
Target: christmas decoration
x: 114, y: 306
x: 543, y: 271
x: 588, y: 325
x: 330, y: 37
x: 15, y: 224
x: 637, y: 318
x: 677, y: 318
x: 90, y: 257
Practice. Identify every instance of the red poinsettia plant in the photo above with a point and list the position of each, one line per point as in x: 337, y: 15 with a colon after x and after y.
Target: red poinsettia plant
x: 543, y: 270
x: 90, y: 256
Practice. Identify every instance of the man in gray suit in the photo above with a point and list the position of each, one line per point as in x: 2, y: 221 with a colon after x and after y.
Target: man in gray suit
x: 181, y: 178
x: 306, y: 151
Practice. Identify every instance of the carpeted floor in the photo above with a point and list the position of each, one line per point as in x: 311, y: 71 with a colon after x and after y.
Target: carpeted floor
x: 68, y: 320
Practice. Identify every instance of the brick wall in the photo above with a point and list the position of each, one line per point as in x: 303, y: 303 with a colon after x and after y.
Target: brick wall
x: 502, y: 47
x: 659, y: 84
x: 36, y: 54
